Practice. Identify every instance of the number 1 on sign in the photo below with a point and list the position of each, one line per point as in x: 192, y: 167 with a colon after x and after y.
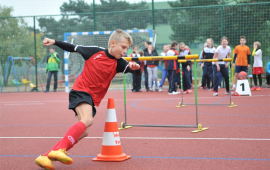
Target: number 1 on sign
x: 243, y: 86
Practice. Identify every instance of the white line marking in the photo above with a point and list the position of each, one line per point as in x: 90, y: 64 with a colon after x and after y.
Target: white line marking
x: 105, y: 100
x: 148, y: 138
x: 24, y: 104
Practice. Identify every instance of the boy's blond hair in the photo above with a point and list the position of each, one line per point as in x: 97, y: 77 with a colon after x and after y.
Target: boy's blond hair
x: 118, y: 35
x: 258, y: 44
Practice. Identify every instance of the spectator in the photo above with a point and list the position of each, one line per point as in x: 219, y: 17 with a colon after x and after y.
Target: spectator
x: 136, y: 77
x: 242, y: 53
x: 164, y: 68
x: 185, y: 68
x: 268, y: 75
x: 152, y: 69
x: 52, y: 68
x: 171, y: 67
x: 223, y: 51
x: 208, y: 53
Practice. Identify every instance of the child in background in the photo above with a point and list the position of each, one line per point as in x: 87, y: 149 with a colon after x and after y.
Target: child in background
x: 186, y: 68
x: 171, y: 67
x: 164, y: 71
x: 223, y: 51
x: 268, y: 75
x: 208, y: 53
x: 136, y: 77
x: 152, y: 69
x: 203, y: 83
x: 257, y: 66
x: 101, y: 65
x: 242, y: 53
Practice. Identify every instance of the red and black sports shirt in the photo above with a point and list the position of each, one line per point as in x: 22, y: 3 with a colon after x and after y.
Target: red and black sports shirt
x: 99, y: 69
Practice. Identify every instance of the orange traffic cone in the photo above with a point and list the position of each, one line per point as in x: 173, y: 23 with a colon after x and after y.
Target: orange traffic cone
x: 111, y: 145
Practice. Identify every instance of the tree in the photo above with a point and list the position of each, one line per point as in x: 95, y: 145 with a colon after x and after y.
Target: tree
x: 105, y: 20
x: 78, y: 17
x: 192, y: 24
x: 16, y: 39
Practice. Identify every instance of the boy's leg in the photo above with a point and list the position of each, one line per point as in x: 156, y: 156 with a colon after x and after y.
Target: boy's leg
x: 173, y: 80
x: 75, y: 133
x: 184, y: 79
x: 204, y: 79
x: 188, y: 79
x: 225, y: 74
x: 237, y: 70
x: 146, y: 77
x: 215, y: 76
x: 169, y: 79
x: 210, y: 74
x: 255, y: 80
x: 163, y: 77
x: 260, y: 79
x: 155, y: 69
x: 133, y: 82
x: 220, y: 78
x: 207, y: 77
x: 55, y: 80
x: 150, y: 77
x: 48, y: 81
x: 140, y: 81
x: 267, y: 78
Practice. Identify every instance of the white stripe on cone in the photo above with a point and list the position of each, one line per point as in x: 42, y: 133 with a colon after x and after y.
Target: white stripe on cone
x: 111, y: 116
x: 111, y: 139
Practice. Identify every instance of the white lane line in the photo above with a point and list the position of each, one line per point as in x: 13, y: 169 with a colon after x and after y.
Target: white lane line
x: 24, y: 104
x: 104, y: 100
x: 150, y: 138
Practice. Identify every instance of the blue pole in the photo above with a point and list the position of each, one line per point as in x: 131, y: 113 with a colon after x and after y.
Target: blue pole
x: 15, y: 74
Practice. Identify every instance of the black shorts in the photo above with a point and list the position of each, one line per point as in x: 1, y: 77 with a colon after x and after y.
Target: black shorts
x: 77, y: 97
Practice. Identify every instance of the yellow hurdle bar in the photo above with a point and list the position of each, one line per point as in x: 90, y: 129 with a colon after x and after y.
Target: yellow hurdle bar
x: 206, y: 60
x: 154, y: 58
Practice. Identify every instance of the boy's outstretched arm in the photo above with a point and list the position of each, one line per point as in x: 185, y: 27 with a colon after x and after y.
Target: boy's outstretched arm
x: 124, y: 66
x: 63, y: 45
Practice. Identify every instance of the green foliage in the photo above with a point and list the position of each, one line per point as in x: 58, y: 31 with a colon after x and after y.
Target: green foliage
x: 16, y: 39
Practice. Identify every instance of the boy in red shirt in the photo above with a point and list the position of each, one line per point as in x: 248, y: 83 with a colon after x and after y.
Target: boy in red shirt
x: 101, y: 65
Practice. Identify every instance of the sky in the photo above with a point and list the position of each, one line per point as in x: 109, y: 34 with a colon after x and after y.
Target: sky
x: 43, y: 7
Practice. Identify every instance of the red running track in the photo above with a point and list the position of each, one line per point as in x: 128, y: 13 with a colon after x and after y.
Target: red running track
x: 238, y: 138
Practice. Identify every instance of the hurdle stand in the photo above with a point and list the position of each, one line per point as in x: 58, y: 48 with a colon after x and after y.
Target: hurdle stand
x: 231, y: 104
x: 125, y: 125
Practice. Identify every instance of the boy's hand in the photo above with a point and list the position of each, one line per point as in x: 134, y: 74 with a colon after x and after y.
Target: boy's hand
x: 188, y: 68
x: 133, y: 66
x: 226, y: 65
x: 249, y: 66
x: 233, y: 64
x: 48, y: 42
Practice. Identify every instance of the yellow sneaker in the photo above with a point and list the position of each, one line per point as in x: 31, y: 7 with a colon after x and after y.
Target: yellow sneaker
x: 60, y: 155
x: 45, y: 162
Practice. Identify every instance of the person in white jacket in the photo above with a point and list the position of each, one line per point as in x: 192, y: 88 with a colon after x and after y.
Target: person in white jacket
x: 257, y: 66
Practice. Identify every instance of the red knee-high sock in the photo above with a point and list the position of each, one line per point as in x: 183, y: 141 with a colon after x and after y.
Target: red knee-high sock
x: 72, y: 135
